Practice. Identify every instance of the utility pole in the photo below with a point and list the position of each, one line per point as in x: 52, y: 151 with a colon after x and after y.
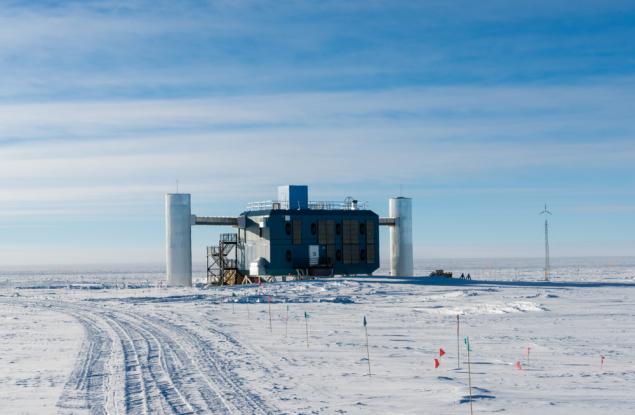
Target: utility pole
x: 547, y: 265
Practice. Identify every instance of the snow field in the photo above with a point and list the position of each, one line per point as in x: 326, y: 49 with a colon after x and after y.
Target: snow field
x: 146, y: 349
x: 35, y: 361
x: 408, y: 325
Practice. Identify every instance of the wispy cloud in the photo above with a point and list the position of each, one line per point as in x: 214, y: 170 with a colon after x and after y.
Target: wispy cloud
x: 103, y: 105
x: 156, y: 48
x: 418, y: 135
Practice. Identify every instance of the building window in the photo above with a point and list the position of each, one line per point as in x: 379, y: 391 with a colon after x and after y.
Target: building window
x: 370, y: 241
x: 313, y: 229
x: 287, y: 228
x: 260, y: 232
x: 297, y: 232
x: 338, y: 229
x: 288, y: 256
x: 362, y: 228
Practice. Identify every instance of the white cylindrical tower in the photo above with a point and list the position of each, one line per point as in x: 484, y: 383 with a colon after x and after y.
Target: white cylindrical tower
x: 401, y: 262
x: 178, y: 239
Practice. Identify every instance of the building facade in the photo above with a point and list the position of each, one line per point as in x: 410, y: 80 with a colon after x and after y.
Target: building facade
x: 313, y: 241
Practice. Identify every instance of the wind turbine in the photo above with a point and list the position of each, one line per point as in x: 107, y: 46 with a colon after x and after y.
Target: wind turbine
x: 546, y: 212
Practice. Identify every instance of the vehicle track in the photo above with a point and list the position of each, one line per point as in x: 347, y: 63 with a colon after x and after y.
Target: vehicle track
x: 217, y: 369
x: 143, y: 364
x: 137, y: 399
x: 86, y: 388
x: 193, y: 384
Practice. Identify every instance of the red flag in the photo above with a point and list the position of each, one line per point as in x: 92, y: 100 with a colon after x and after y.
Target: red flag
x: 518, y: 365
x: 441, y: 352
x: 436, y: 363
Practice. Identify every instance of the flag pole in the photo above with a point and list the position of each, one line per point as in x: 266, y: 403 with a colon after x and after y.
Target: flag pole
x: 286, y: 323
x: 270, y: 326
x: 458, y: 347
x: 469, y: 373
x: 367, y: 348
x: 306, y: 321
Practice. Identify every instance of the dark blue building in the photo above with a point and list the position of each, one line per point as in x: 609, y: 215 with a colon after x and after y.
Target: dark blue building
x: 292, y: 236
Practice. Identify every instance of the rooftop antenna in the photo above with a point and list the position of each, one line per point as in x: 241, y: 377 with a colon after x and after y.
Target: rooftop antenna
x: 546, y: 212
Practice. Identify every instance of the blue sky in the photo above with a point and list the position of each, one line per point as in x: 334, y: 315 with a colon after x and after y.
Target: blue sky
x: 480, y: 111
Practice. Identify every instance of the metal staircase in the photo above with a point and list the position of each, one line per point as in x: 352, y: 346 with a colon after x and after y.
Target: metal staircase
x: 222, y: 261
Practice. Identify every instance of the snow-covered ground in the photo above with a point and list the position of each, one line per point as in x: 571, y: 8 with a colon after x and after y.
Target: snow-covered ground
x: 117, y: 342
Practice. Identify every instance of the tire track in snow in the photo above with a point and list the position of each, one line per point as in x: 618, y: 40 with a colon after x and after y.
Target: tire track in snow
x: 157, y: 376
x: 148, y: 384
x: 136, y: 398
x: 164, y: 367
x: 86, y: 388
x: 192, y: 383
x: 215, y: 368
x: 89, y: 388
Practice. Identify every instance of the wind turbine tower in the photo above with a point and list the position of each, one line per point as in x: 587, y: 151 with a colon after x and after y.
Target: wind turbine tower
x: 546, y: 212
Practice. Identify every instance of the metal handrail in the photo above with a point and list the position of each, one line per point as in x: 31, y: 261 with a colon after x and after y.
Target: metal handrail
x: 229, y: 237
x: 314, y: 205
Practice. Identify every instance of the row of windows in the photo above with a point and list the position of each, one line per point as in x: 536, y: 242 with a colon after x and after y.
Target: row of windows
x: 350, y: 256
x: 314, y: 228
x: 325, y: 230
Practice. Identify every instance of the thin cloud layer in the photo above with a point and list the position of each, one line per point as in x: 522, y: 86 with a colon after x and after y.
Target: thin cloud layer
x: 480, y: 112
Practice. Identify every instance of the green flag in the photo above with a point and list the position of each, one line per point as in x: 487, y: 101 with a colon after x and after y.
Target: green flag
x: 466, y: 340
x: 306, y: 315
x: 364, y: 321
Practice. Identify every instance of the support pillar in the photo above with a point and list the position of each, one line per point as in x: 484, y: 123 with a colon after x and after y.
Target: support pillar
x: 401, y: 251
x: 178, y: 239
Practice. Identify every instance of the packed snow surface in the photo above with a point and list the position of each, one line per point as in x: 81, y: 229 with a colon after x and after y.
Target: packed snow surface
x: 120, y: 342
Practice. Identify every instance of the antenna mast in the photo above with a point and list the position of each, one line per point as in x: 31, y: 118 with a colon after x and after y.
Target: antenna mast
x: 547, y: 265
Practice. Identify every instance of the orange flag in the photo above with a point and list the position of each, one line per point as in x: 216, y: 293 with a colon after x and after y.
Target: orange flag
x: 436, y: 363
x: 441, y: 352
x: 518, y: 365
